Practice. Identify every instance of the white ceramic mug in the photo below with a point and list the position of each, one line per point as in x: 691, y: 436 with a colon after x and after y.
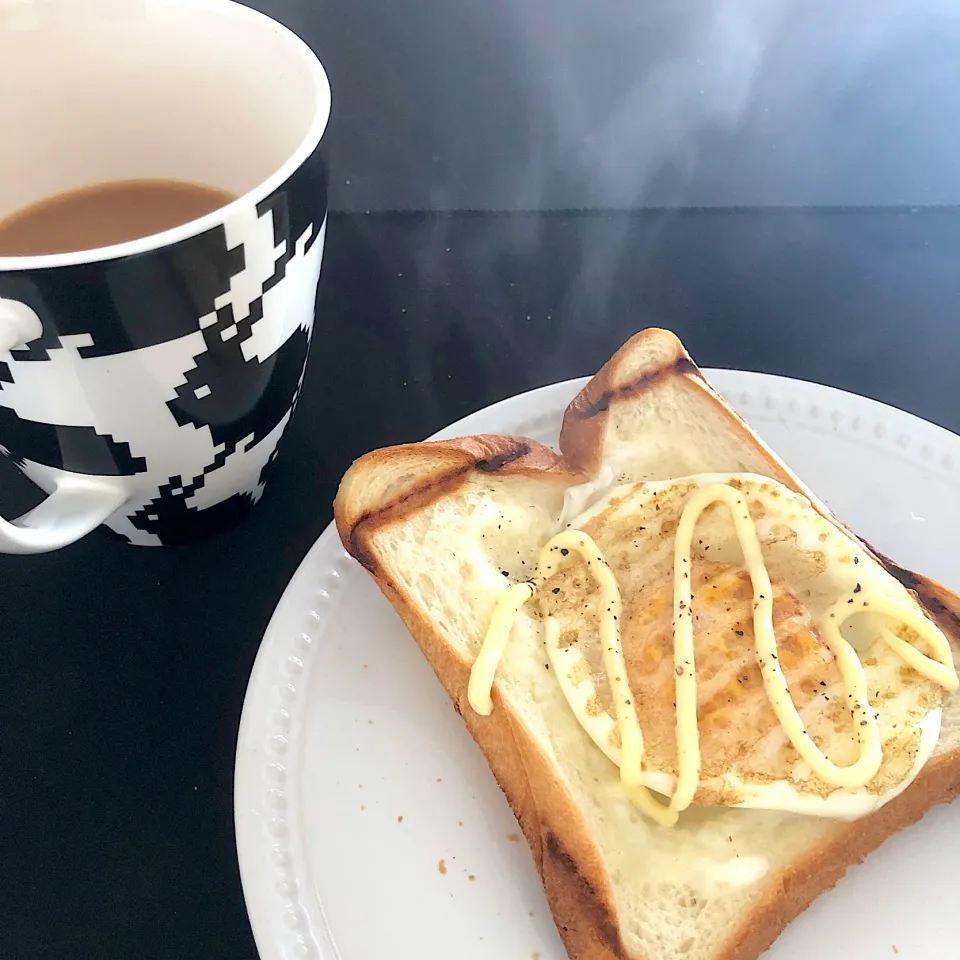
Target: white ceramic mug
x: 145, y: 386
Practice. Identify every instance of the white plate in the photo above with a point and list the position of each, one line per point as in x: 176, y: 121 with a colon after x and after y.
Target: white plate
x: 345, y: 731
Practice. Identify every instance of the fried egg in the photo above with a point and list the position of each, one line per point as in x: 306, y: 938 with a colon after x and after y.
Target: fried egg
x: 746, y: 756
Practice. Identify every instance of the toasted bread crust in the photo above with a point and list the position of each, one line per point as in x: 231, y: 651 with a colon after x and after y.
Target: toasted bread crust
x: 624, y: 377
x: 585, y: 420
x: 427, y: 471
x: 577, y: 886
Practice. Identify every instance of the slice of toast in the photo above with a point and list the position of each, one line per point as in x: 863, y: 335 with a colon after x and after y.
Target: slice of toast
x: 724, y: 882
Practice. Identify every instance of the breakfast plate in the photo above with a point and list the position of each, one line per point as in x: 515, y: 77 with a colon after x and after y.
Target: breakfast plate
x: 368, y: 824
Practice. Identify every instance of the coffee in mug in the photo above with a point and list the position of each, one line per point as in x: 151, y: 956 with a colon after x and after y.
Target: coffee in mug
x: 106, y: 214
x: 162, y: 220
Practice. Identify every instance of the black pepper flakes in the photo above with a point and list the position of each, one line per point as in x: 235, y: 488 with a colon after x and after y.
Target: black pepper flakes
x: 739, y: 633
x: 857, y: 588
x: 504, y: 572
x: 564, y: 551
x: 556, y: 590
x: 856, y: 559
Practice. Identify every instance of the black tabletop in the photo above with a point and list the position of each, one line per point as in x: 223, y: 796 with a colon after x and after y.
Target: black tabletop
x: 123, y: 669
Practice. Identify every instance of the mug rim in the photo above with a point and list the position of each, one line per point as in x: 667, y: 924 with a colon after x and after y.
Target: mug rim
x: 192, y: 228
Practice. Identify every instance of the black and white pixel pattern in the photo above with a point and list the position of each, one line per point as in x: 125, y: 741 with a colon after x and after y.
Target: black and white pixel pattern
x: 178, y: 369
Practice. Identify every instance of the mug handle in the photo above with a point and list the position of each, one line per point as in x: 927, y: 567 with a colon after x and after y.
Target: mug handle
x: 78, y: 503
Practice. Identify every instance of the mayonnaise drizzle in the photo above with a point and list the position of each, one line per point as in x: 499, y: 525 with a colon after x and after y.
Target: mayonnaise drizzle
x: 484, y: 669
x: 941, y: 670
x: 866, y: 766
x: 857, y: 774
x: 625, y: 712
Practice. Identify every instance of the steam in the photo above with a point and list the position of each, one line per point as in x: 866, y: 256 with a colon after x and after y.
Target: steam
x: 708, y: 84
x: 677, y: 71
x: 755, y: 102
x: 566, y: 104
x: 537, y: 105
